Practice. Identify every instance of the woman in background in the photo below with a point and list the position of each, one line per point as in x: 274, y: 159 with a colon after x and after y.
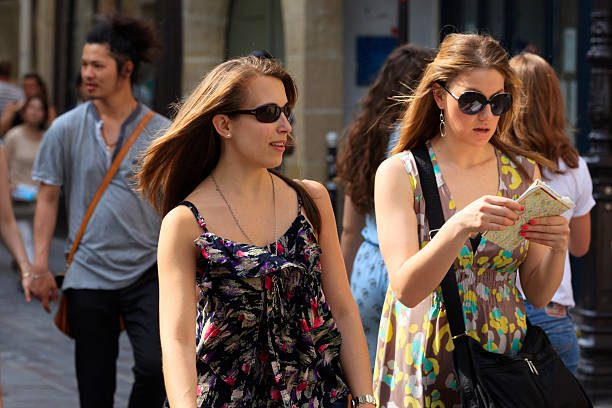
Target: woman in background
x: 21, y: 144
x: 10, y: 233
x: 541, y: 127
x: 33, y: 85
x: 367, y: 145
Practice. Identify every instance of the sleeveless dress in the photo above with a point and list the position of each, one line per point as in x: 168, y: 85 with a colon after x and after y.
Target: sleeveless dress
x: 369, y: 278
x: 369, y: 283
x: 414, y: 365
x: 265, y: 335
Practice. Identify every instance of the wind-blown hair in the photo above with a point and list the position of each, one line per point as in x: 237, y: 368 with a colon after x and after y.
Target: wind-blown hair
x: 177, y: 162
x: 541, y: 125
x: 458, y: 54
x: 368, y: 137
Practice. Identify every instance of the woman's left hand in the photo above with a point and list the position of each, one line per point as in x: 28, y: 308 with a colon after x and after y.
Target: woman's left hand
x: 552, y: 232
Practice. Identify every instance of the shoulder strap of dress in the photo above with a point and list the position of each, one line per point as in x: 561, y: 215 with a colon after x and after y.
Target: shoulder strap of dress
x: 299, y: 200
x: 195, y: 212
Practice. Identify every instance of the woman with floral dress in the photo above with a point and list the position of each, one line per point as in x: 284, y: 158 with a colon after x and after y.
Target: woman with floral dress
x: 275, y: 322
x: 459, y: 110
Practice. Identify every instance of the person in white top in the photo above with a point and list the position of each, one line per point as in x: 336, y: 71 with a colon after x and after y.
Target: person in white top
x: 542, y: 128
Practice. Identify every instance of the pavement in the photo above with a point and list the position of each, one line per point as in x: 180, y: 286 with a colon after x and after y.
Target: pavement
x: 36, y: 359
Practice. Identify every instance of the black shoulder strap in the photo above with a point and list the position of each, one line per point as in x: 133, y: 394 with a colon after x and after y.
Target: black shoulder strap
x: 435, y: 216
x: 195, y: 212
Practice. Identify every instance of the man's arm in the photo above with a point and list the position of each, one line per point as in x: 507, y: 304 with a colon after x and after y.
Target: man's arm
x: 44, y: 287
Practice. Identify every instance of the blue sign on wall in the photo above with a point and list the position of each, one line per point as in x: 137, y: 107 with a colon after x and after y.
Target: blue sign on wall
x: 371, y: 54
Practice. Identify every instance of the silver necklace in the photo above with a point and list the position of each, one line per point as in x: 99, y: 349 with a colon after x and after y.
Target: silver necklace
x: 229, y: 207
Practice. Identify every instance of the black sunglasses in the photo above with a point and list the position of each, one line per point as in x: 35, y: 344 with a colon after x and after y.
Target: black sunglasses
x: 472, y: 102
x: 268, y: 113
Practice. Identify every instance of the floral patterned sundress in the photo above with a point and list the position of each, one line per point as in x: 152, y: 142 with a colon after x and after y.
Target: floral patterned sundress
x: 265, y: 335
x: 414, y: 365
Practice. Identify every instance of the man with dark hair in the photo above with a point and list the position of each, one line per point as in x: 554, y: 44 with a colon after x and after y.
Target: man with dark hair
x: 113, y: 273
x: 8, y: 92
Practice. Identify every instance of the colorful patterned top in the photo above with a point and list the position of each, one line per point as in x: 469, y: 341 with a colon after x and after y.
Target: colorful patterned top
x: 414, y: 365
x: 265, y: 335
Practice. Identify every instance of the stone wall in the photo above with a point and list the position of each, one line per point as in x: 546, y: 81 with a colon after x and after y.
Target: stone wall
x: 313, y: 41
x: 9, y: 32
x: 204, y: 25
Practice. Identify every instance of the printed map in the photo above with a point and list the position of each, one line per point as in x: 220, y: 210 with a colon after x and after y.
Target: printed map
x: 539, y: 200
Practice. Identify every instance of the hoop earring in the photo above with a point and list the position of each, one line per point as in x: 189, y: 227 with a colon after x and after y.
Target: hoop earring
x: 442, y: 124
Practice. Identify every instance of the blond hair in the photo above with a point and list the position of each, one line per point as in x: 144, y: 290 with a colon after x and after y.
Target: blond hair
x: 458, y: 54
x: 541, y: 124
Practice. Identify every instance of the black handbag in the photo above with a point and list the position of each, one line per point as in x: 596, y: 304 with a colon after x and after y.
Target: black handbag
x: 535, y: 377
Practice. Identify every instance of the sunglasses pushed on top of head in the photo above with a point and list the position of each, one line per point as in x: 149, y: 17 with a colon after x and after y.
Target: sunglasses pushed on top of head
x: 472, y: 102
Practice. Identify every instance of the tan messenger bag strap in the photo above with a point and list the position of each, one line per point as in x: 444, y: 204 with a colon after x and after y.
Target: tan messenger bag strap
x: 106, y: 181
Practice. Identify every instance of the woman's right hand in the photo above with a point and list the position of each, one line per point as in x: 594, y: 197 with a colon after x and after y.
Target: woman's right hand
x: 488, y: 213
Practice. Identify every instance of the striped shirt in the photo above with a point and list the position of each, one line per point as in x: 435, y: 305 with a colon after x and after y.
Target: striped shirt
x: 9, y: 93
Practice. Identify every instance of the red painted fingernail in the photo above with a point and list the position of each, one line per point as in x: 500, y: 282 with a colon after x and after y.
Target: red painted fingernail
x: 513, y: 223
x: 525, y: 227
x: 523, y: 233
x: 522, y: 208
x: 518, y: 218
x: 531, y: 222
x: 527, y: 238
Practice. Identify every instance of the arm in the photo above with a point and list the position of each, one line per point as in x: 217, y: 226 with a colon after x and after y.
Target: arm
x: 9, y: 150
x: 580, y: 224
x: 9, y: 115
x: 580, y: 235
x: 352, y: 224
x: 176, y: 255
x: 44, y: 288
x: 9, y: 230
x: 542, y: 271
x: 354, y: 350
x: 414, y: 273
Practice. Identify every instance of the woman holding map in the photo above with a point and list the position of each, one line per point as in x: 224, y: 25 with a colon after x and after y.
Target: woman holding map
x: 459, y: 112
x: 542, y: 127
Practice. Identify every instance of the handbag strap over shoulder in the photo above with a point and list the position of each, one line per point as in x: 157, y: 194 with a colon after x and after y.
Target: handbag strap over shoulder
x: 435, y: 216
x: 106, y: 181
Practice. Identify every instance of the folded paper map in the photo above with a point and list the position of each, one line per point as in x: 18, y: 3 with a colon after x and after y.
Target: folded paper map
x: 539, y: 200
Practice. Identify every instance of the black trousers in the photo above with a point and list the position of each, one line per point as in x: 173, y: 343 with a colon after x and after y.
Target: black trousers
x: 93, y: 316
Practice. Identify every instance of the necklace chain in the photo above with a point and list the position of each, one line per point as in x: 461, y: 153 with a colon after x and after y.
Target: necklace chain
x: 229, y: 207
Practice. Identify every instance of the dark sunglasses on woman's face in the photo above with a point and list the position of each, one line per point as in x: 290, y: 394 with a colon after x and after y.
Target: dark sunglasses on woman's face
x: 268, y: 113
x: 472, y: 102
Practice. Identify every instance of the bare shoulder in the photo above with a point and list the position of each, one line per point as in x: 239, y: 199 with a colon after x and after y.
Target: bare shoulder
x: 394, y: 174
x: 181, y: 222
x: 316, y: 190
x: 395, y: 183
x: 393, y: 165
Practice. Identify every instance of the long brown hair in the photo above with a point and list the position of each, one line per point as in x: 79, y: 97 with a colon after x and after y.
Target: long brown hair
x: 368, y: 137
x: 460, y: 53
x: 541, y: 125
x: 177, y: 162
